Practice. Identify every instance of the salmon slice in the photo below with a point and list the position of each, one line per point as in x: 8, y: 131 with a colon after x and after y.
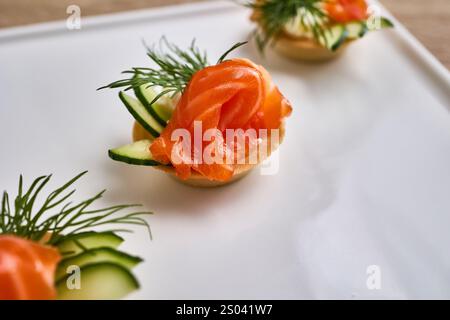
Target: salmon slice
x: 347, y: 10
x: 235, y: 94
x: 26, y: 269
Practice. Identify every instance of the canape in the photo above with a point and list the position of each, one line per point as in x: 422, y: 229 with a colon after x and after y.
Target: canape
x: 205, y: 124
x: 60, y: 255
x: 312, y: 30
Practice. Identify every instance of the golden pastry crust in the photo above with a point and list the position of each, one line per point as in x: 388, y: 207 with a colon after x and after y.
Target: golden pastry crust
x: 305, y: 49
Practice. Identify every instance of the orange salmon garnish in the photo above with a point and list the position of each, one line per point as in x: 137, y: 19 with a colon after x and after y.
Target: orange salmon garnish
x: 346, y: 10
x: 27, y: 269
x: 235, y: 94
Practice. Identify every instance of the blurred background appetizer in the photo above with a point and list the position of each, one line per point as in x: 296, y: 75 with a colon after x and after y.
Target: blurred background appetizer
x: 312, y: 30
x: 60, y: 255
x: 207, y: 124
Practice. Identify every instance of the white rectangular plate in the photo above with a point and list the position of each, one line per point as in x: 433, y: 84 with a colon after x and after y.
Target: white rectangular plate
x: 364, y: 176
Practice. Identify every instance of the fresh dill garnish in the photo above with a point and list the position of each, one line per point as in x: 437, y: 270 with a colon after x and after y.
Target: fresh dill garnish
x: 21, y: 219
x: 234, y: 47
x: 273, y: 15
x: 175, y: 68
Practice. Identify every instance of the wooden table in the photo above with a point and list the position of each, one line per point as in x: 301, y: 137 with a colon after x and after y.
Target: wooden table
x: 428, y: 20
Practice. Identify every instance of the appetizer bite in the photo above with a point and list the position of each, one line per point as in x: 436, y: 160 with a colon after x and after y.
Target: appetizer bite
x: 59, y: 255
x: 312, y: 30
x: 205, y: 124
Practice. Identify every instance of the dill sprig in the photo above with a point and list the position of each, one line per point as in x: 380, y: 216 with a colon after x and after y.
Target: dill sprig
x: 274, y: 14
x: 175, y: 68
x: 20, y: 217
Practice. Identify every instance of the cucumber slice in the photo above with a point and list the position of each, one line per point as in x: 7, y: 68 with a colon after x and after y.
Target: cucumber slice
x: 99, y: 281
x: 386, y: 23
x: 358, y: 29
x: 159, y: 110
x: 355, y: 29
x: 140, y: 113
x: 137, y: 153
x: 95, y: 256
x: 88, y: 240
x: 334, y: 37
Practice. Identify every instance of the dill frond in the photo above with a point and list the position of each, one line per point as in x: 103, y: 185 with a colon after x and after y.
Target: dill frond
x: 273, y: 15
x: 174, y: 68
x: 58, y: 218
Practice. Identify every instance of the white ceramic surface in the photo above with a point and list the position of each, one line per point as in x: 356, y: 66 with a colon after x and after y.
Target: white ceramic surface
x: 365, y: 167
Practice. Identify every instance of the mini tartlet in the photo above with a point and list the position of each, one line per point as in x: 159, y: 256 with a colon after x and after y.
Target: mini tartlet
x: 55, y: 252
x: 205, y: 124
x: 312, y: 30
